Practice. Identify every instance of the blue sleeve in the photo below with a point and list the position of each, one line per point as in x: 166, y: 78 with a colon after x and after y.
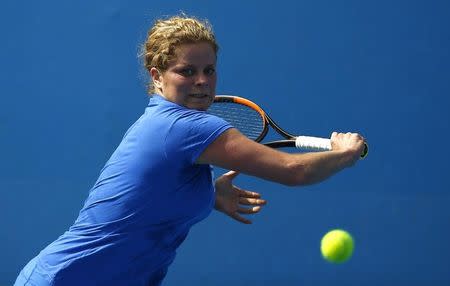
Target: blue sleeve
x: 189, y: 136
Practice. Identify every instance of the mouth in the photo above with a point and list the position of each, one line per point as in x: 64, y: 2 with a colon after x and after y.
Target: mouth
x: 199, y: 95
x: 200, y: 101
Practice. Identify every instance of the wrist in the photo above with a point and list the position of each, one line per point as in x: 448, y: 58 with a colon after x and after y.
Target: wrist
x: 347, y: 158
x: 217, y: 201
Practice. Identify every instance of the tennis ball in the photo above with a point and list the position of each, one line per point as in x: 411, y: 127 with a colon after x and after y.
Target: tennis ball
x: 337, y: 246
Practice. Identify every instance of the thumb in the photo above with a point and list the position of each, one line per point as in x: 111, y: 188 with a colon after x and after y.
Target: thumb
x: 231, y: 174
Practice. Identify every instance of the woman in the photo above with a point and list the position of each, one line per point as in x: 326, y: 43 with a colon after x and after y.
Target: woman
x: 158, y: 182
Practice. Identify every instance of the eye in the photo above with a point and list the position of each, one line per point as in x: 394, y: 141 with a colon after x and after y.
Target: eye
x: 187, y: 72
x: 210, y: 71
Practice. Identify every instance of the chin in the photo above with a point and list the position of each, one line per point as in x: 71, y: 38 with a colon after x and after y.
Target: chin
x: 200, y: 108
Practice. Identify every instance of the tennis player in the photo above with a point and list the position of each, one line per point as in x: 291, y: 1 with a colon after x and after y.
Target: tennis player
x: 158, y: 182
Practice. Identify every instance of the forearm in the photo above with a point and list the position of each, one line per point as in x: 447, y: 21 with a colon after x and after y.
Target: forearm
x: 296, y: 169
x: 314, y: 167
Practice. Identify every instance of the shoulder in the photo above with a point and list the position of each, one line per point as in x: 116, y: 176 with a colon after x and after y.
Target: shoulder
x: 181, y: 114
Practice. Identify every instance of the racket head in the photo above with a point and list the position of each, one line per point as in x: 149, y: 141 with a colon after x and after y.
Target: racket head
x: 243, y: 114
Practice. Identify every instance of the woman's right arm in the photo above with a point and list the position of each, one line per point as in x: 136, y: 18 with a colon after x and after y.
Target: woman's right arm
x: 234, y: 151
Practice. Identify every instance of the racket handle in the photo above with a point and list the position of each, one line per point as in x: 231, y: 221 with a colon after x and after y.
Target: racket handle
x: 320, y: 144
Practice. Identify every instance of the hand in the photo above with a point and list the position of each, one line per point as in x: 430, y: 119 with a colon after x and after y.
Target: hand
x: 349, y: 142
x: 229, y: 198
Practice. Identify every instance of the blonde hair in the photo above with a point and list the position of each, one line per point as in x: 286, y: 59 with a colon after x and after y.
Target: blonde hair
x: 167, y: 34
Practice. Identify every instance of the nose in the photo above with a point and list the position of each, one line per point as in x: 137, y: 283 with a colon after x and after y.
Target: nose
x: 202, y: 80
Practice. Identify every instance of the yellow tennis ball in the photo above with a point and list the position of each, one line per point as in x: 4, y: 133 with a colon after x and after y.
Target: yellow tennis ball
x: 337, y: 246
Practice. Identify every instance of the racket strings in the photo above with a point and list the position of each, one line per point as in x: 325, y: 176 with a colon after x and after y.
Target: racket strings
x: 247, y: 120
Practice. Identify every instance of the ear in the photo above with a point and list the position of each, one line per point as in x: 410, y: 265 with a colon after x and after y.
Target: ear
x: 156, y: 77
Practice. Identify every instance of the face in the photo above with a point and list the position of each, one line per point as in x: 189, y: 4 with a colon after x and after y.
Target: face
x: 190, y: 79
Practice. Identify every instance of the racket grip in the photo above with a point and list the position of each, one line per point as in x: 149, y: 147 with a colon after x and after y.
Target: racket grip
x: 320, y: 144
x: 313, y: 143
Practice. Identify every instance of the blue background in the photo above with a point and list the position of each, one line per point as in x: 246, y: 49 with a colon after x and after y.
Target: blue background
x: 71, y: 84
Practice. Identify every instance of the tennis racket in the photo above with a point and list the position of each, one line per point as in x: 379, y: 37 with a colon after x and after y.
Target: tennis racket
x: 253, y: 122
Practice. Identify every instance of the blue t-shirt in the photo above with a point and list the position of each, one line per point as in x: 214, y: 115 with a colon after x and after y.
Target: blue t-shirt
x: 147, y: 197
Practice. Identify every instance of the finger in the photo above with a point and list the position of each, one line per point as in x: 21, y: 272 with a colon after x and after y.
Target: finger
x: 250, y: 201
x: 357, y: 136
x: 241, y: 219
x: 252, y: 210
x: 248, y: 194
x: 231, y: 174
